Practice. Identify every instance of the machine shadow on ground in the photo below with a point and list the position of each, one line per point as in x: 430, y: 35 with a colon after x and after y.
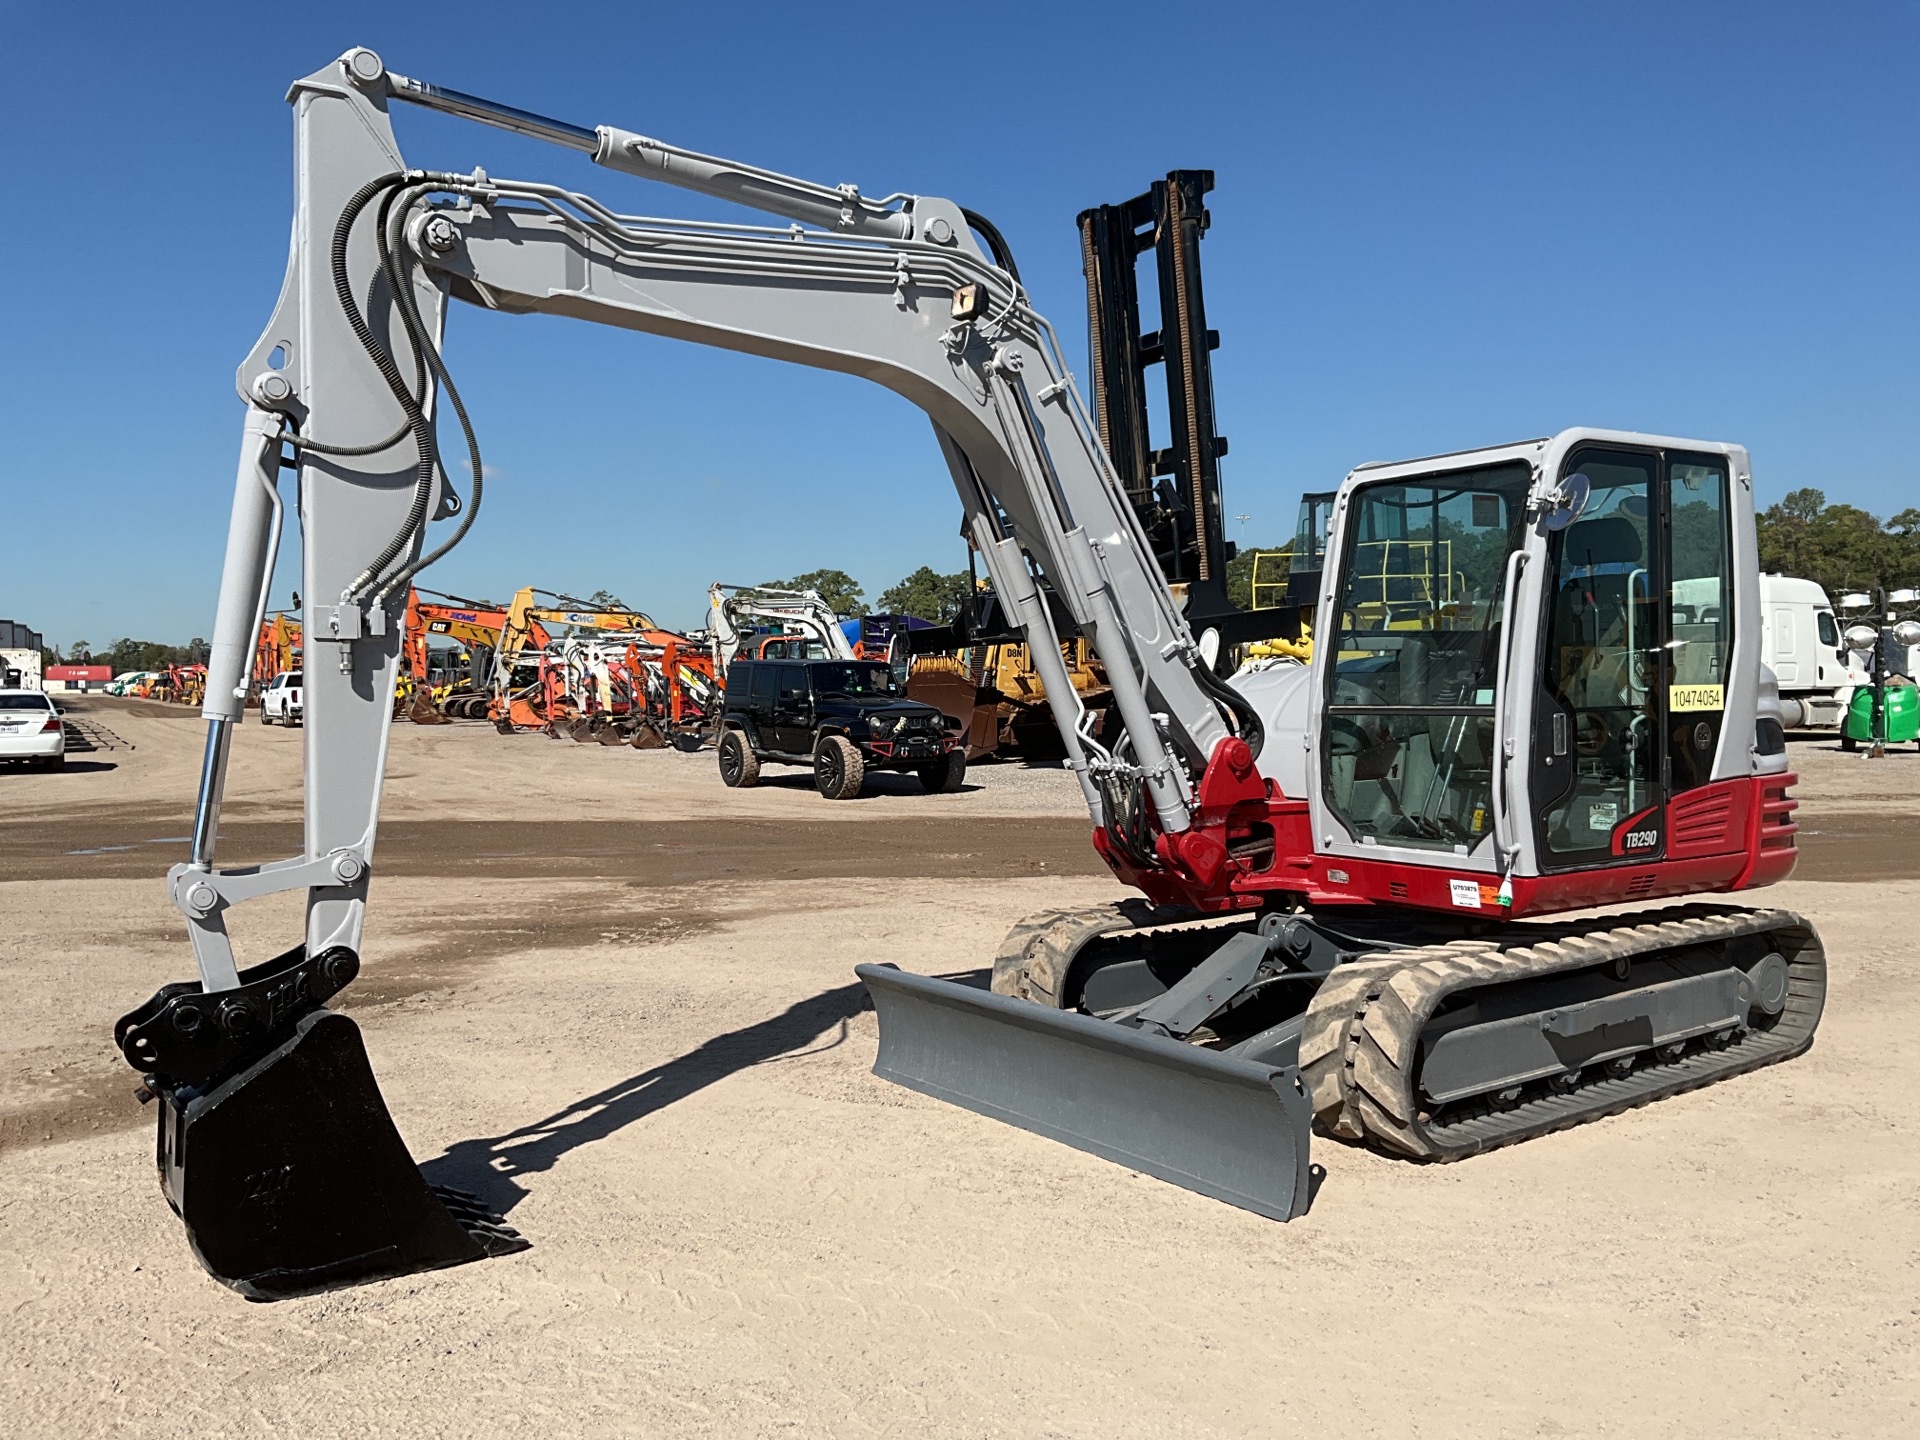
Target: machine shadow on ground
x: 879, y: 784
x: 491, y: 1167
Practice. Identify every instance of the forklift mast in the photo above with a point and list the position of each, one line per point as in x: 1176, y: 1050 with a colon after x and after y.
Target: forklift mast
x: 1176, y: 489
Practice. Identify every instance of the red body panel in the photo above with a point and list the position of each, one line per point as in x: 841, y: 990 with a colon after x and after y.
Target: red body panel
x: 1250, y: 843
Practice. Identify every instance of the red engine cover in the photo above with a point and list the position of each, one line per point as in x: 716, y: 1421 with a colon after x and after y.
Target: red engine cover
x: 1249, y: 842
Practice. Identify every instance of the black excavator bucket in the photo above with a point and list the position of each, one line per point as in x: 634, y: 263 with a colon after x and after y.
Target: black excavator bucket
x: 1226, y: 1127
x: 275, y: 1147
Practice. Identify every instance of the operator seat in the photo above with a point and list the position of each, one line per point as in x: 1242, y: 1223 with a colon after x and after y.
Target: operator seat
x: 1597, y: 560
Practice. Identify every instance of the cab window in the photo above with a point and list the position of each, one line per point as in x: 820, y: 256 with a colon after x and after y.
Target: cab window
x: 1407, y: 748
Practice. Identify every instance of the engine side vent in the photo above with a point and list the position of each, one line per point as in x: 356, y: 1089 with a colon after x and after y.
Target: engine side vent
x: 1777, y: 829
x: 1396, y: 890
x: 1702, y: 821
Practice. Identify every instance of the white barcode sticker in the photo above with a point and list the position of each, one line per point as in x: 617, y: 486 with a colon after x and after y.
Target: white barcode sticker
x: 1466, y: 893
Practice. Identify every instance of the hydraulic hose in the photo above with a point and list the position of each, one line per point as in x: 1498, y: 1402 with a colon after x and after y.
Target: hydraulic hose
x: 1246, y: 718
x: 419, y: 390
x: 383, y: 362
x: 392, y: 187
x: 399, y: 281
x: 996, y: 242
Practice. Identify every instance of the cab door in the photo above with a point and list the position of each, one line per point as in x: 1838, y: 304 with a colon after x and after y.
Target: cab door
x: 1637, y: 635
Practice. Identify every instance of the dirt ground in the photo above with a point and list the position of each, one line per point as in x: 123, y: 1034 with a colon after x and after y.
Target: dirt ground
x: 617, y: 999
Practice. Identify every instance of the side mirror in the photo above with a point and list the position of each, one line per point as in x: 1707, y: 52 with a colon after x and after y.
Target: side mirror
x: 1565, y: 504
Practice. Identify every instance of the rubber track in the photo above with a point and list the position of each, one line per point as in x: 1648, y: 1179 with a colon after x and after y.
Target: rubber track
x: 1034, y: 959
x: 1363, y: 1027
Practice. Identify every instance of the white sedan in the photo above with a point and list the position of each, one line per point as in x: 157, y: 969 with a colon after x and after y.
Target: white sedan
x: 31, y: 730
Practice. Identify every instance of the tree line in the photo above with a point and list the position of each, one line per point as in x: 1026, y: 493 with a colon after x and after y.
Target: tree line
x: 925, y: 593
x: 127, y: 654
x: 1841, y: 546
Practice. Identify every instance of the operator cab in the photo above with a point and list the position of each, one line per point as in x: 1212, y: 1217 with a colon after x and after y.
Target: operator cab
x: 1532, y: 656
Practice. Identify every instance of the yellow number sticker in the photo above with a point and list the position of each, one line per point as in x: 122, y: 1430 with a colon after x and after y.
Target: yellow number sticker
x: 1696, y: 697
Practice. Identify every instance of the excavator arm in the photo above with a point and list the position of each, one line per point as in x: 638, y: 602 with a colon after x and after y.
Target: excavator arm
x: 469, y: 623
x: 894, y: 291
x: 256, y: 1075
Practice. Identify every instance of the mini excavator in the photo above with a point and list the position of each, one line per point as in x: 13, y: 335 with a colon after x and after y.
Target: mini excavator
x: 472, y: 624
x: 1358, y: 878
x: 806, y: 623
x: 544, y: 703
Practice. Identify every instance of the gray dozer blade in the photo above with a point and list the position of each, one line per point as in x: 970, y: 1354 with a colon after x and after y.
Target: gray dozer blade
x: 1224, y: 1127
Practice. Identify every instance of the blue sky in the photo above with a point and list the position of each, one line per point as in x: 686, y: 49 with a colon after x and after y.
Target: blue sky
x: 1436, y: 226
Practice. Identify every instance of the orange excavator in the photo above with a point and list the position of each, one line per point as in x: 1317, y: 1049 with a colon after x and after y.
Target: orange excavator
x: 656, y: 689
x: 276, y: 650
x: 542, y: 700
x: 475, y: 624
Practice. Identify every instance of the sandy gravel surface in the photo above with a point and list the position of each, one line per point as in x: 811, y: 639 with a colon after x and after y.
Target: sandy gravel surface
x: 655, y: 1060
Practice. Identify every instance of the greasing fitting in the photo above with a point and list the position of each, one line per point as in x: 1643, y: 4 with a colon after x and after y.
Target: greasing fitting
x: 348, y: 868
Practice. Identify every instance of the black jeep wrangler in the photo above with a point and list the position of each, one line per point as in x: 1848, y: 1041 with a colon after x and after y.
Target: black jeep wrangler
x: 843, y: 717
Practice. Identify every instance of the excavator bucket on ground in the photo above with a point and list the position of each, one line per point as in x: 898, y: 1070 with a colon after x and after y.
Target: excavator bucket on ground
x: 1229, y: 1128
x: 275, y: 1148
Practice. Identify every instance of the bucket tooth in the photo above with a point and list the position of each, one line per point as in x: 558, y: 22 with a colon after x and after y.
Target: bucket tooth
x: 291, y: 1178
x: 1225, y: 1127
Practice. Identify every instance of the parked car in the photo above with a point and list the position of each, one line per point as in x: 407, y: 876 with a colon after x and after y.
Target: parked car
x: 31, y: 730
x: 280, y: 702
x: 842, y: 717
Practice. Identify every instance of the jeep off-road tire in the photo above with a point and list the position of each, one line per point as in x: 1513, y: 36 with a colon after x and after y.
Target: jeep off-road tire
x: 945, y: 775
x: 838, y: 769
x: 739, y: 766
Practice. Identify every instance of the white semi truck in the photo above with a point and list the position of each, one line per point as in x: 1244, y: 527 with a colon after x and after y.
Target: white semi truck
x: 1817, y: 673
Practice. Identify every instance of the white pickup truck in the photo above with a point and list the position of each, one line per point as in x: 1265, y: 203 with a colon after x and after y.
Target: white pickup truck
x: 280, y: 702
